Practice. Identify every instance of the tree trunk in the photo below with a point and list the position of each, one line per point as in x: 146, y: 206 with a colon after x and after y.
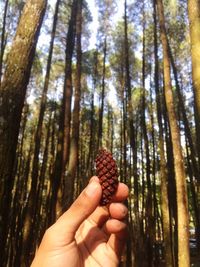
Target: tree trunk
x: 62, y: 153
x: 185, y: 119
x: 41, y: 199
x: 12, y: 95
x: 74, y: 144
x: 101, y: 111
x: 194, y: 19
x: 149, y: 218
x: 3, y: 39
x: 23, y: 191
x: 182, y: 201
x: 32, y: 208
x: 128, y: 108
x: 90, y: 157
x: 193, y: 153
x: 194, y: 199
x: 171, y: 183
x: 168, y: 251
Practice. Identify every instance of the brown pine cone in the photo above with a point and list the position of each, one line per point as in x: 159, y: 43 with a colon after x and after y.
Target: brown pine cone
x: 106, y: 170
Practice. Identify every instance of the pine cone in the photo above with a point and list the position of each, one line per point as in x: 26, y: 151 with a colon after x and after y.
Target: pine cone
x: 106, y: 170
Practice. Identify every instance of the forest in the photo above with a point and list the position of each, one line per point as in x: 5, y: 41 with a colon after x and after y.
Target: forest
x: 79, y: 75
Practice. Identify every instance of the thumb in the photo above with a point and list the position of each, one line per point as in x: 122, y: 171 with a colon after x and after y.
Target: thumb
x: 83, y: 206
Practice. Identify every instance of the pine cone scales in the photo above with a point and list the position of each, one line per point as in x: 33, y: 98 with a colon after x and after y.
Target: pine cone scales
x: 106, y: 170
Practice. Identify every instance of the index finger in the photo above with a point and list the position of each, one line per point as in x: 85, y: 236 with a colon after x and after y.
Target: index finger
x: 101, y: 214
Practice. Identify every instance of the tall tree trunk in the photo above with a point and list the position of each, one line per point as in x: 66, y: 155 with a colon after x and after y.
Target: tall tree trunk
x: 171, y: 182
x: 3, y: 39
x: 149, y: 218
x: 67, y: 95
x: 128, y: 95
x: 185, y: 119
x: 182, y: 201
x: 194, y: 19
x: 41, y: 199
x: 91, y: 149
x: 110, y: 129
x: 32, y: 208
x: 194, y: 197
x: 23, y: 191
x: 62, y: 153
x: 168, y: 251
x: 19, y: 193
x: 193, y: 153
x: 12, y: 95
x: 74, y: 144
x: 132, y: 133
x: 101, y: 111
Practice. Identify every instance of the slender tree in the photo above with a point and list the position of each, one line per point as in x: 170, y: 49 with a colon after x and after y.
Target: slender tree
x: 131, y: 129
x: 102, y: 99
x: 182, y: 201
x: 193, y: 152
x: 194, y: 19
x: 62, y: 154
x: 3, y: 37
x: 74, y: 142
x: 168, y: 251
x: 31, y: 207
x: 92, y: 116
x: 106, y: 11
x: 149, y: 206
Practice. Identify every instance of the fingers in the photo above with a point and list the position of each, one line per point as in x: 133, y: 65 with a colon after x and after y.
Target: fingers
x: 121, y: 193
x: 115, y: 224
x: 84, y: 205
x: 117, y: 241
x: 101, y: 214
x: 87, y: 204
x: 118, y: 211
x: 117, y: 228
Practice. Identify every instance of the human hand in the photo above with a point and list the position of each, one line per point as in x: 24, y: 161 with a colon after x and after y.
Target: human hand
x: 86, y: 235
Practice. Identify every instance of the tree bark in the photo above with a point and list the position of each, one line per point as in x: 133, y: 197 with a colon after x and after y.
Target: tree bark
x: 74, y: 144
x: 101, y: 111
x: 32, y: 208
x: 12, y: 95
x: 148, y: 210
x: 193, y: 152
x: 129, y: 122
x: 62, y: 154
x: 3, y: 39
x: 182, y: 200
x: 168, y: 251
x: 91, y: 150
x: 194, y: 20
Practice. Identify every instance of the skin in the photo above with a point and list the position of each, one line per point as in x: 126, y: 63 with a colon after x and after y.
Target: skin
x: 86, y: 235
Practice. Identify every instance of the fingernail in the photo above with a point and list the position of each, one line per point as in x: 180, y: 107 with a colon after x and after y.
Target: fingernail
x: 91, y: 189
